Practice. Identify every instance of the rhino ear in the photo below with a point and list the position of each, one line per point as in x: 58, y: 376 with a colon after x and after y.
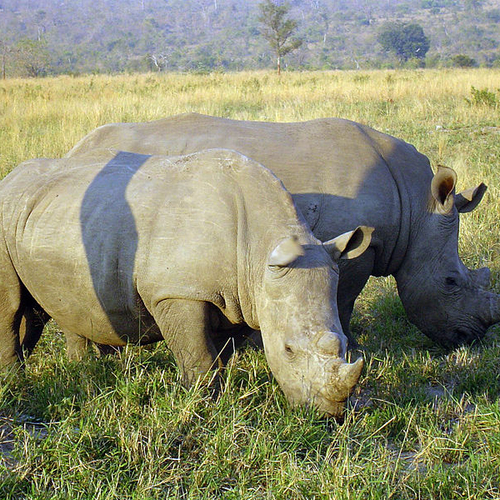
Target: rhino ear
x: 442, y: 186
x: 286, y: 252
x: 468, y: 200
x: 349, y: 245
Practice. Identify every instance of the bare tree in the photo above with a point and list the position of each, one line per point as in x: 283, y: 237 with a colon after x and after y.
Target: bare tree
x: 159, y: 61
x: 5, y: 52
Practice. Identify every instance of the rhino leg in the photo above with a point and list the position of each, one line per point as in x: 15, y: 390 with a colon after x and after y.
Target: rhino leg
x: 353, y: 277
x: 31, y: 328
x: 11, y: 310
x: 76, y: 346
x: 185, y: 325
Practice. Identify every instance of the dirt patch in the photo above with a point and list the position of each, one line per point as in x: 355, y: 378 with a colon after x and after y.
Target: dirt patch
x: 6, y: 444
x: 8, y: 428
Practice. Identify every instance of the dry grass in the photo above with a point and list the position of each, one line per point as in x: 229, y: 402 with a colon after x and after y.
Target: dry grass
x: 46, y: 117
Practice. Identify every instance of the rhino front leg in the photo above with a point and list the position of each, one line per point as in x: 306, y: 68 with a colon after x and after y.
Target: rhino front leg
x: 185, y: 325
x: 76, y: 346
x: 353, y: 277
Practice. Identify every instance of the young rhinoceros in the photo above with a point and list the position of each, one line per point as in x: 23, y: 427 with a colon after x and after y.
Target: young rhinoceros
x: 343, y: 174
x: 120, y: 247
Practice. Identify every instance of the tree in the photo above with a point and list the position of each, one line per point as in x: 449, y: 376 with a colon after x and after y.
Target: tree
x: 33, y: 56
x: 407, y: 41
x: 473, y: 4
x: 157, y: 61
x: 5, y: 52
x: 277, y: 29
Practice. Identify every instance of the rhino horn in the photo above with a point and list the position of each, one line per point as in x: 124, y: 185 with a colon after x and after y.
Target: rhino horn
x: 349, y: 373
x: 481, y: 277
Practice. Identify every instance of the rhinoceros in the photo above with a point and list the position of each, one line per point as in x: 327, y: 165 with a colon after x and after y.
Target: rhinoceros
x: 120, y: 247
x: 343, y: 174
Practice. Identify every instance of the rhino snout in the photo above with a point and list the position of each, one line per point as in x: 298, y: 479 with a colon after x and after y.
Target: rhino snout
x: 350, y: 373
x: 475, y: 329
x: 319, y: 375
x: 332, y: 397
x: 343, y: 380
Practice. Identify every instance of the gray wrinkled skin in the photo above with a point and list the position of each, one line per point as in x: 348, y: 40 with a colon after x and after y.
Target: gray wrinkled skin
x: 341, y: 175
x: 119, y: 247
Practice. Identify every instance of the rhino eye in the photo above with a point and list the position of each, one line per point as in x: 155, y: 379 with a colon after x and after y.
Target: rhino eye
x: 289, y: 350
x: 451, y: 282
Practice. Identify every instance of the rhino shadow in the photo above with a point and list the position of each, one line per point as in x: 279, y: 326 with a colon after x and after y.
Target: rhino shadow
x: 106, y: 265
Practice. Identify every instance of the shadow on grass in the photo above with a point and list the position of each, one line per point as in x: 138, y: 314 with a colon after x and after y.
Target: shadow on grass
x: 404, y: 367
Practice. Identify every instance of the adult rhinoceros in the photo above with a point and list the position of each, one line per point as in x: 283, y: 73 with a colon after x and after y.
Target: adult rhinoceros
x: 122, y: 247
x: 343, y: 174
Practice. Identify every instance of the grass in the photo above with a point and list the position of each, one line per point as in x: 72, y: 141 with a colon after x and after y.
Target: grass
x: 424, y: 423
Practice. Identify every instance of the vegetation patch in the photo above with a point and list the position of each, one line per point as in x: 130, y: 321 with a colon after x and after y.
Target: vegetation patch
x: 423, y: 422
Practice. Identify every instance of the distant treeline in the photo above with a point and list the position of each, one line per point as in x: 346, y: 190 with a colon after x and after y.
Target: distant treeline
x: 40, y: 37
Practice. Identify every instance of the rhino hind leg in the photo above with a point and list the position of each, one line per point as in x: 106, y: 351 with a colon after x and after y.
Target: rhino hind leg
x: 11, y: 311
x: 32, y: 324
x: 10, y: 348
x: 185, y: 326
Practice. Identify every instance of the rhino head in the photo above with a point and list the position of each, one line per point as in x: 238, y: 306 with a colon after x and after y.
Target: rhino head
x: 442, y: 297
x: 301, y: 331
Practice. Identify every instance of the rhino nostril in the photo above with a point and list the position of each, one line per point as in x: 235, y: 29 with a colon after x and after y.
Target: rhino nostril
x: 461, y: 337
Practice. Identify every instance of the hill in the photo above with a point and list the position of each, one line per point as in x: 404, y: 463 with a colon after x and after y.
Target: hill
x: 205, y: 35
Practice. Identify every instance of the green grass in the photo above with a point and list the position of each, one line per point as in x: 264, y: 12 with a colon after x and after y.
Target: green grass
x: 424, y: 423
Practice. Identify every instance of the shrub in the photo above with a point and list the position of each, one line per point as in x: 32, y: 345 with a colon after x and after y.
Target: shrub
x: 482, y: 97
x: 463, y: 61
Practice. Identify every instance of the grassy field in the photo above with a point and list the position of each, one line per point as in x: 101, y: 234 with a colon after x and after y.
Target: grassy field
x: 424, y: 423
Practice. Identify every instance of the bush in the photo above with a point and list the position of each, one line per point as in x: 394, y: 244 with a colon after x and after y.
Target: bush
x: 463, y: 61
x: 482, y: 97
x: 406, y: 41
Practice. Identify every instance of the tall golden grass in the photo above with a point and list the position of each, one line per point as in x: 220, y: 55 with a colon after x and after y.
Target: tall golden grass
x: 45, y: 117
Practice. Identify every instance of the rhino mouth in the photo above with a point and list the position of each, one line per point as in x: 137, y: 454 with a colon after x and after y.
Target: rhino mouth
x: 465, y: 337
x: 328, y: 408
x: 462, y: 335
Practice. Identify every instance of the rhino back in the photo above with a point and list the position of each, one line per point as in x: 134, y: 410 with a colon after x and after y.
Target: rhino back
x: 341, y: 174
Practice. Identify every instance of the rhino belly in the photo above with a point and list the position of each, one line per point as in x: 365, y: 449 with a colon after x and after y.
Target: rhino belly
x: 98, y: 302
x: 112, y: 317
